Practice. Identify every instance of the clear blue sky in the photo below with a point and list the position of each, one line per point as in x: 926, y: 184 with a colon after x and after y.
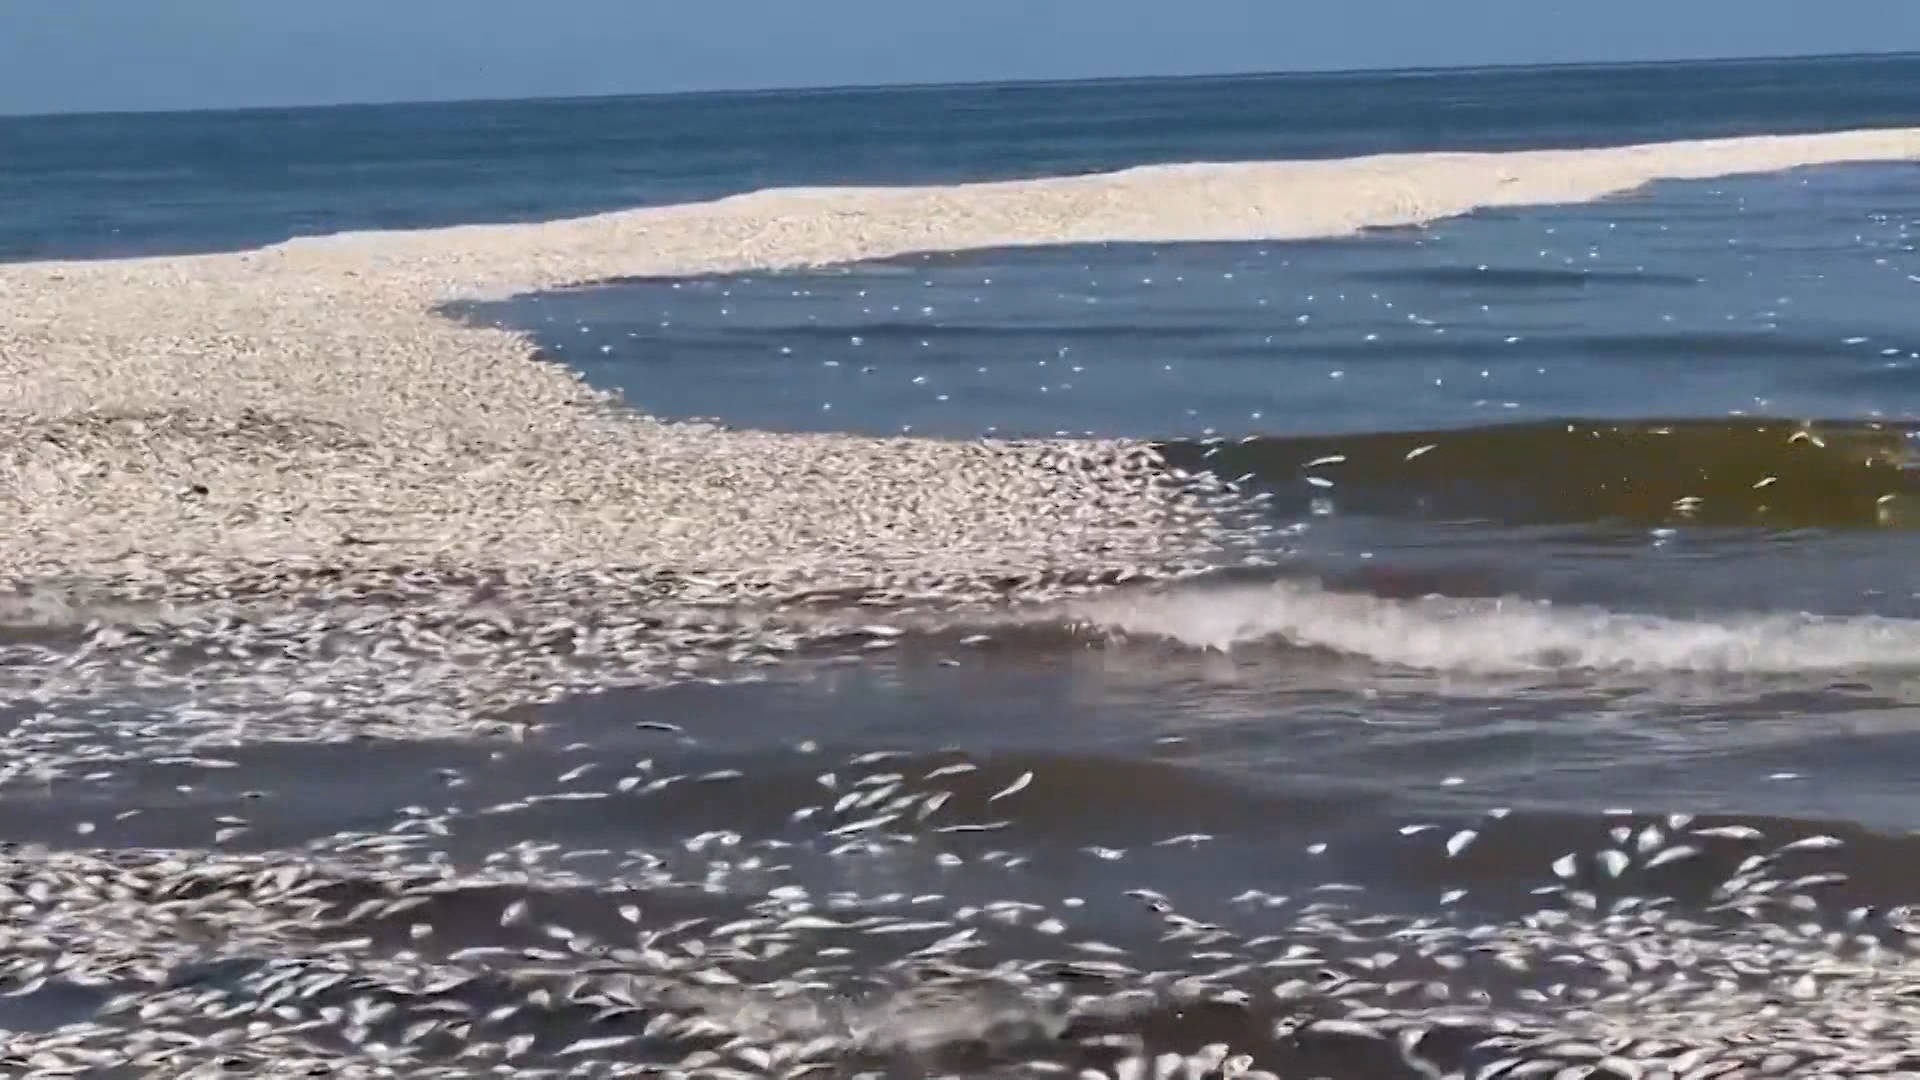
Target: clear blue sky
x: 68, y: 55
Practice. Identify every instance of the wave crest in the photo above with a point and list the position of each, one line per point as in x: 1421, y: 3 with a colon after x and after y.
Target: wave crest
x: 1503, y: 636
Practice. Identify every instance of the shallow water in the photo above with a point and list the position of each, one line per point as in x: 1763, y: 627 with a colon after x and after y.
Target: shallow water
x: 1280, y: 802
x: 1782, y: 295
x: 1561, y: 703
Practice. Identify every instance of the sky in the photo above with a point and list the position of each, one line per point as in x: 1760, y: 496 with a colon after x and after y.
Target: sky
x: 110, y: 55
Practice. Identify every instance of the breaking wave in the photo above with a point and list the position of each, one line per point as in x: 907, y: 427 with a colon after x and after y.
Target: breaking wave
x: 1504, y: 635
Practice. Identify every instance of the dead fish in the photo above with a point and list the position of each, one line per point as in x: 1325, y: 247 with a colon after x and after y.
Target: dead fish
x: 1812, y: 843
x: 1673, y: 854
x: 1349, y: 1028
x: 1730, y: 832
x: 1018, y: 785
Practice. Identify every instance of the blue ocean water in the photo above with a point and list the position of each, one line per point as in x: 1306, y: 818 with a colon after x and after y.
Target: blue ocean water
x: 1788, y: 294
x: 120, y: 184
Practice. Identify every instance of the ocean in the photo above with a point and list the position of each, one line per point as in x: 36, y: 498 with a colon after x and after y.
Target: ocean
x: 76, y: 186
x: 1567, y: 703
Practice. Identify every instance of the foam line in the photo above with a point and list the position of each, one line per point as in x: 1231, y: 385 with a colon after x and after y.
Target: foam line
x: 1505, y: 636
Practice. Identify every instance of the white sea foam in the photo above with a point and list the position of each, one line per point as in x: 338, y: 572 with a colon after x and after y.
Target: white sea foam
x: 1512, y: 635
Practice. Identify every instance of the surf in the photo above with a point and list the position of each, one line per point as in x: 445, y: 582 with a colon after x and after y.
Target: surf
x: 1499, y: 635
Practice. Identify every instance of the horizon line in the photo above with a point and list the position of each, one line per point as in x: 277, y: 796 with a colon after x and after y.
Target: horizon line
x: 977, y: 84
